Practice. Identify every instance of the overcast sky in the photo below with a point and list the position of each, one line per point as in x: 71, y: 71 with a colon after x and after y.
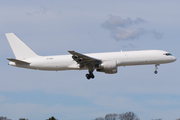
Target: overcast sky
x: 52, y: 27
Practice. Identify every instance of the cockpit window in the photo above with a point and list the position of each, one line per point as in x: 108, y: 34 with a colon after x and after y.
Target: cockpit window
x: 168, y: 54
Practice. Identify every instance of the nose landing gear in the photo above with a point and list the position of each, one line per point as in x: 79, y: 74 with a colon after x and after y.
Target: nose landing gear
x: 156, y: 67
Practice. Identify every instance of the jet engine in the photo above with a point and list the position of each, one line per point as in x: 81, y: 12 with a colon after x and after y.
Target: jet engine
x: 109, y: 67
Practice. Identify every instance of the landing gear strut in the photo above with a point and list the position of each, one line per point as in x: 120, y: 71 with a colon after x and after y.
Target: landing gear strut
x: 156, y: 67
x: 90, y: 75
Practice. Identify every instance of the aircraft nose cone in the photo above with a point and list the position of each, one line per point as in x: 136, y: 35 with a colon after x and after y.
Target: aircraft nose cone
x: 174, y: 58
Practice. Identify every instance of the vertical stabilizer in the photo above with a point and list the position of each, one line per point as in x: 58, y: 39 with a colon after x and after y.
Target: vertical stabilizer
x: 19, y: 48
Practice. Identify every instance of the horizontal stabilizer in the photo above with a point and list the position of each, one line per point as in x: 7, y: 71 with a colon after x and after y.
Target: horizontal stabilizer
x: 18, y: 61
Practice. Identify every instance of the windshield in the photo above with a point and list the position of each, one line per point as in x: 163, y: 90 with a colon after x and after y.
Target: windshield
x: 168, y: 54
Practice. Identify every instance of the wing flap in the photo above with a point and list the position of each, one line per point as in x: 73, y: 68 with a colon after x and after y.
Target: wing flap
x: 18, y: 61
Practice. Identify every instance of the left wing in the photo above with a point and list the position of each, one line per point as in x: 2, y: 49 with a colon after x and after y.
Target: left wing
x: 83, y: 60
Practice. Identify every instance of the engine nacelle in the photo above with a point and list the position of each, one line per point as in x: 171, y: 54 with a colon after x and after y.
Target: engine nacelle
x: 109, y: 67
x: 113, y: 71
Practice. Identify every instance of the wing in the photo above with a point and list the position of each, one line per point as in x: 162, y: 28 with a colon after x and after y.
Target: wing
x: 83, y: 60
x: 17, y: 61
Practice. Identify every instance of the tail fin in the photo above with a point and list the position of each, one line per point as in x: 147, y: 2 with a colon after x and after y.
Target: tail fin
x: 19, y: 48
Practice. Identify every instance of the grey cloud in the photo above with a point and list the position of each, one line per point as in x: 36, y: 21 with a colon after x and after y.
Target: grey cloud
x: 128, y: 34
x: 120, y: 28
x: 42, y: 9
x: 157, y: 35
x: 116, y: 21
x: 139, y: 21
x: 131, y: 34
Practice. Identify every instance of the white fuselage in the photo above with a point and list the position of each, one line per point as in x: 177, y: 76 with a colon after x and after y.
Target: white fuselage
x: 65, y: 62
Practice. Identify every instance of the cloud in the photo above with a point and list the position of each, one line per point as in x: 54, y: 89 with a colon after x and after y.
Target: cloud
x: 122, y: 29
x: 128, y: 34
x: 157, y: 35
x: 42, y: 10
x: 115, y: 22
x: 139, y: 21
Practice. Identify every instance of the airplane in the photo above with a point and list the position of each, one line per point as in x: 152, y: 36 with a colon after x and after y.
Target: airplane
x: 102, y: 62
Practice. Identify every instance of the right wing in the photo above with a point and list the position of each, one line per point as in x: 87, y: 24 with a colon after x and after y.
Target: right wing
x: 83, y: 60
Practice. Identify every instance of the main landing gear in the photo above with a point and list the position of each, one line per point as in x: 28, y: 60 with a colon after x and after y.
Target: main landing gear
x: 90, y: 75
x: 156, y: 67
